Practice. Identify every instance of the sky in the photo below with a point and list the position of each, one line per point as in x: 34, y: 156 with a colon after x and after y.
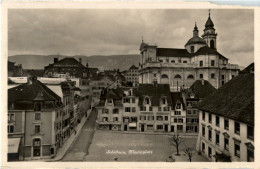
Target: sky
x: 119, y: 31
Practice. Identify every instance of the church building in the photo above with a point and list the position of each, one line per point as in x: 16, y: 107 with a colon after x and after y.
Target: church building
x: 180, y: 68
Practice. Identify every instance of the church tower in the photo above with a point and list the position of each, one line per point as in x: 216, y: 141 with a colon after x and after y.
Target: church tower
x: 209, y: 34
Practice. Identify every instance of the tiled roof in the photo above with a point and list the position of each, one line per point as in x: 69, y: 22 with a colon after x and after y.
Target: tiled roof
x: 67, y: 62
x: 248, y: 69
x: 207, y: 50
x: 31, y: 92
x: 154, y: 92
x: 171, y: 52
x: 176, y: 96
x: 234, y: 100
x: 202, y: 90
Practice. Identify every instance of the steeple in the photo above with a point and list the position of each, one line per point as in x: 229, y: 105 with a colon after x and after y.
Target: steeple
x: 209, y: 33
x: 195, y: 31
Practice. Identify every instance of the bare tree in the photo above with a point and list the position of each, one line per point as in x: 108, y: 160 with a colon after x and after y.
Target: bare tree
x: 190, y: 152
x: 177, y: 140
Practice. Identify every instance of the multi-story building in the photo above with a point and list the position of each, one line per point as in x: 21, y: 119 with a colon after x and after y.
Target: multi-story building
x: 68, y: 67
x: 145, y: 108
x: 34, y: 121
x: 14, y: 70
x: 132, y: 75
x: 227, y: 121
x: 178, y: 113
x: 182, y: 67
x: 199, y: 90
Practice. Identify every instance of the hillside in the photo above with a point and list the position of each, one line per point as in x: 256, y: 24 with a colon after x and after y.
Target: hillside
x: 122, y: 62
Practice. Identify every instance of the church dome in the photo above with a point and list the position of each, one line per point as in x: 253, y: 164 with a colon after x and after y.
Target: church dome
x: 196, y: 40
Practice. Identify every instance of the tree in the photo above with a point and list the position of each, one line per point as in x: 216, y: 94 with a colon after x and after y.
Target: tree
x: 177, y: 140
x: 190, y: 152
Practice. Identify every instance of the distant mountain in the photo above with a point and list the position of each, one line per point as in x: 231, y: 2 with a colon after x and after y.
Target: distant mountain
x: 123, y: 62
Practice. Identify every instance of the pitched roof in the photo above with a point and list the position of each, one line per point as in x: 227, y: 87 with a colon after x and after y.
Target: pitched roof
x: 154, y: 92
x: 207, y: 50
x: 176, y: 96
x: 133, y: 67
x: 67, y: 62
x: 234, y: 100
x: 202, y: 90
x: 33, y: 72
x: 248, y: 69
x: 171, y: 52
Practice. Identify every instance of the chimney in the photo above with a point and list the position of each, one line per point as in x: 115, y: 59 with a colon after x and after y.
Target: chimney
x: 56, y: 60
x: 80, y: 60
x: 202, y: 81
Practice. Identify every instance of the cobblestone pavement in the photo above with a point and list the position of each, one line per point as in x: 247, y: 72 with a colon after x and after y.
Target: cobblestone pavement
x: 79, y: 148
x: 111, y: 146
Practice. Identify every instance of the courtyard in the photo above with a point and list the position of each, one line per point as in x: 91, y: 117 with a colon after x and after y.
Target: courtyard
x: 120, y: 146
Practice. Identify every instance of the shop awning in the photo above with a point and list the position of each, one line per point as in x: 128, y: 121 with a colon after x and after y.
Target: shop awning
x: 13, y: 145
x: 132, y: 124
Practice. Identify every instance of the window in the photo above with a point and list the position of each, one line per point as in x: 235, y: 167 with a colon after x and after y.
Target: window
x: 203, y: 131
x: 150, y: 108
x: 154, y: 75
x: 109, y: 100
x: 250, y: 155
x: 178, y: 106
x: 105, y: 119
x: 115, y: 111
x: 142, y: 108
x: 201, y: 76
x: 150, y: 118
x: 212, y: 62
x: 159, y: 127
x: 133, y: 100
x: 180, y: 120
x: 192, y: 49
x: 237, y: 128
x: 226, y: 124
x: 189, y: 111
x: 173, y: 61
x: 194, y: 112
x: 209, y: 152
x: 250, y: 132
x: 159, y: 109
x: 10, y: 128
x: 160, y: 118
x: 177, y: 77
x: 212, y: 76
x: 163, y: 100
x: 36, y: 147
x: 177, y: 112
x: 147, y: 100
x: 233, y: 76
x: 115, y: 119
x: 203, y: 147
x: 217, y: 121
x: 217, y: 138
x: 166, y: 108
x: 237, y: 149
x: 166, y: 118
x: 226, y: 143
x: 175, y: 120
x: 222, y: 77
x: 210, y: 118
x: 37, y: 107
x: 127, y: 109
x: 11, y: 117
x: 179, y: 127
x: 133, y: 109
x: 185, y: 61
x: 201, y: 63
x: 203, y: 116
x: 105, y: 111
x: 126, y: 100
x: 37, y: 116
x: 37, y: 129
x: 212, y: 44
x: 210, y: 135
x: 190, y: 77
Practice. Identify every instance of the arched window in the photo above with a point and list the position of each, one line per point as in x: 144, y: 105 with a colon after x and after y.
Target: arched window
x: 212, y: 44
x: 147, y: 100
x: 164, y: 100
x: 190, y: 77
x: 177, y: 77
x: 164, y: 76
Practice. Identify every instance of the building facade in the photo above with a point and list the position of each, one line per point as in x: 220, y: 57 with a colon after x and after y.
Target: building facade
x: 33, y: 114
x: 132, y: 75
x: 227, y: 121
x: 182, y: 67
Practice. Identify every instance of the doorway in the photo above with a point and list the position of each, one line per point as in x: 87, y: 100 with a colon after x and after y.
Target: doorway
x: 142, y: 127
x: 166, y: 127
x: 110, y: 127
x: 125, y: 128
x: 172, y: 128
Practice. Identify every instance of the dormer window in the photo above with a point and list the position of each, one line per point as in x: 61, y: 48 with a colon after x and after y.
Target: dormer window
x: 109, y: 100
x: 37, y: 107
x: 164, y: 101
x: 147, y: 100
